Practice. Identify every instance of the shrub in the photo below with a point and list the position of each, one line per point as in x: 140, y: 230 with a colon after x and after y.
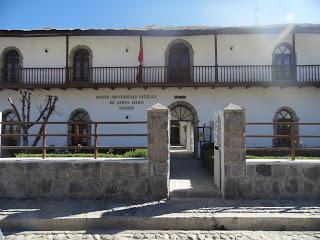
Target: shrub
x: 137, y: 153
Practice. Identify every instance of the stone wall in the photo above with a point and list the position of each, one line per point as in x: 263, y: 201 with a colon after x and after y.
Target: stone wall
x: 262, y: 178
x: 95, y: 179
x: 282, y: 179
x: 81, y: 178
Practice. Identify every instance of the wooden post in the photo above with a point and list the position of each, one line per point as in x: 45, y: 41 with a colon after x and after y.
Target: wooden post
x: 293, y: 141
x: 216, y: 57
x: 67, y: 59
x: 95, y: 140
x: 294, y: 60
x: 44, y: 150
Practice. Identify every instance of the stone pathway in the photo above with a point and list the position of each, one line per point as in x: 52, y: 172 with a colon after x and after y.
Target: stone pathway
x: 188, y: 178
x: 173, y: 235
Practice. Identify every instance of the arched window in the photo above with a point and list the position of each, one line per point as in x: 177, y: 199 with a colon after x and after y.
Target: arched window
x: 81, y: 66
x: 11, y: 66
x: 10, y: 116
x: 179, y: 59
x: 82, y: 128
x: 282, y: 61
x: 285, y: 114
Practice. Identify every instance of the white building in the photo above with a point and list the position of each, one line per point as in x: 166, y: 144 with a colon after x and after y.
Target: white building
x: 271, y: 71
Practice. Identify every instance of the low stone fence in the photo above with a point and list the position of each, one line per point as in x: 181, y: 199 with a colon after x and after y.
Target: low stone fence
x: 282, y: 179
x: 95, y: 179
x: 80, y: 178
x: 261, y: 178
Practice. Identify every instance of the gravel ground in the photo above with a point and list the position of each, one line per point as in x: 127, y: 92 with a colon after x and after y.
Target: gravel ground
x: 174, y: 235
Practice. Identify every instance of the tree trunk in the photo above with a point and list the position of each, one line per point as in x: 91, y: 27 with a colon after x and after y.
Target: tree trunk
x: 25, y: 139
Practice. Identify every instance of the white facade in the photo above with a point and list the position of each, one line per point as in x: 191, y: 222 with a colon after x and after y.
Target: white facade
x: 108, y: 51
x: 260, y: 103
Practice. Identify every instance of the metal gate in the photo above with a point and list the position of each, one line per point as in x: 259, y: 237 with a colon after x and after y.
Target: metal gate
x: 204, y: 134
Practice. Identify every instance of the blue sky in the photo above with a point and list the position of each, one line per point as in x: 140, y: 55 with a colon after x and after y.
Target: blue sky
x: 35, y: 14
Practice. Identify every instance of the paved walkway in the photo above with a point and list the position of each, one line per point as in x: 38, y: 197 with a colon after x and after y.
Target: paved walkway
x: 173, y: 235
x: 188, y: 214
x: 188, y: 178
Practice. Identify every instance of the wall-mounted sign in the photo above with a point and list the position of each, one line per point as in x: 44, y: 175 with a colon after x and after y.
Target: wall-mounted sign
x: 180, y: 97
x: 126, y: 102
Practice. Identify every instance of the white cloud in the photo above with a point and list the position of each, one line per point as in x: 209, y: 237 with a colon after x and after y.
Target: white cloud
x: 289, y: 17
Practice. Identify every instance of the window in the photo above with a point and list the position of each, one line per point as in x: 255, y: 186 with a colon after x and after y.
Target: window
x: 79, y: 130
x: 10, y: 116
x: 285, y: 114
x: 11, y: 66
x: 81, y: 66
x: 282, y: 61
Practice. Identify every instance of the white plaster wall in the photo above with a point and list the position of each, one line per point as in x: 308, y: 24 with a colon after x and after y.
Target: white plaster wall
x: 249, y: 49
x: 155, y: 48
x: 260, y: 104
x: 110, y: 51
x: 33, y: 50
x: 307, y: 48
x: 183, y: 133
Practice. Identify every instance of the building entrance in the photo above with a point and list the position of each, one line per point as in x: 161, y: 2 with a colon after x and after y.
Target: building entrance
x: 183, y: 126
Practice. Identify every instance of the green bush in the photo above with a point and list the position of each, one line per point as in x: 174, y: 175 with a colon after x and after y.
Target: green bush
x: 280, y: 157
x: 137, y: 153
x: 207, y: 156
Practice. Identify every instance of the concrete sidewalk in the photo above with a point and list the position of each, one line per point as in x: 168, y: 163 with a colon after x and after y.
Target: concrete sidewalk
x: 179, y: 214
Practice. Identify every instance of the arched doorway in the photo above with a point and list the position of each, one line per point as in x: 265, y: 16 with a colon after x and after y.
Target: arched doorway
x: 81, y: 66
x: 179, y: 59
x: 282, y: 62
x: 80, y: 59
x: 11, y: 62
x: 183, y: 126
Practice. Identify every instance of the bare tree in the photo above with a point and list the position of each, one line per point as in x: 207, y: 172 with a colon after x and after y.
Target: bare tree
x: 45, y: 109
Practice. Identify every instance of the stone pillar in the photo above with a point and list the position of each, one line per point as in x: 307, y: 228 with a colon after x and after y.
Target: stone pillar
x: 159, y: 150
x: 0, y: 133
x: 234, y: 150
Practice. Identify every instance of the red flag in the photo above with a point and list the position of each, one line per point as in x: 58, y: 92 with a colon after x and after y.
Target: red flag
x: 140, y: 59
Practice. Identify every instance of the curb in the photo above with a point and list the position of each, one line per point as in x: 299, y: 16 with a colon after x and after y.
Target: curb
x: 265, y: 223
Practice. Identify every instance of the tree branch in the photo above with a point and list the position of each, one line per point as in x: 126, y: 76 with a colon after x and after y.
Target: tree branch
x: 44, y: 110
x: 14, y: 109
x: 23, y: 102
x: 28, y: 107
x: 50, y: 110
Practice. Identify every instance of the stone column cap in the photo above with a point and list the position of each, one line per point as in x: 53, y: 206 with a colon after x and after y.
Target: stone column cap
x: 158, y: 106
x: 233, y: 107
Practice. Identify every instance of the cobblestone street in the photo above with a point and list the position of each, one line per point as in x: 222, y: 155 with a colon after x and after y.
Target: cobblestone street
x: 192, y: 235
